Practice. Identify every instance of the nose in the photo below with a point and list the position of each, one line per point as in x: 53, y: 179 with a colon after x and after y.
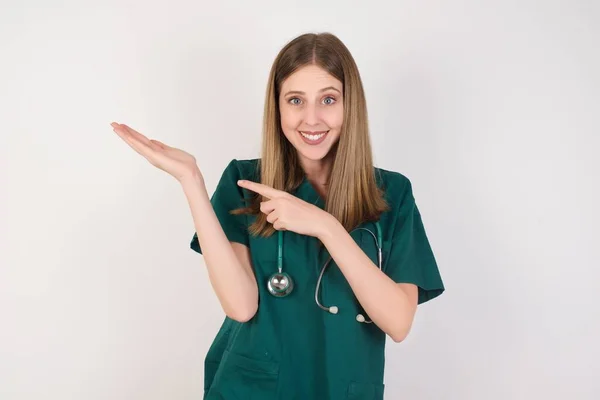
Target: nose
x: 311, y: 115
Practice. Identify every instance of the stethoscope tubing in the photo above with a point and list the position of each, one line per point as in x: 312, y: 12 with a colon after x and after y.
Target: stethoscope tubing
x: 334, y: 309
x: 281, y: 284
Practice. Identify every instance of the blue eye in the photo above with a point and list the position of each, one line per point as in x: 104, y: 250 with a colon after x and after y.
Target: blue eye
x: 295, y: 101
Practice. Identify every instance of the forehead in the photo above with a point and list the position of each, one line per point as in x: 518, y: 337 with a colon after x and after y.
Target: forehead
x: 310, y: 79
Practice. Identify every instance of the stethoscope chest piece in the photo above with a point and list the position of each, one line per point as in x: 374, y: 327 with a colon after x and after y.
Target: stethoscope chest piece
x: 280, y: 284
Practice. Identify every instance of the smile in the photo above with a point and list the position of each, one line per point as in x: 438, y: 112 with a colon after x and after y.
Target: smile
x: 313, y: 137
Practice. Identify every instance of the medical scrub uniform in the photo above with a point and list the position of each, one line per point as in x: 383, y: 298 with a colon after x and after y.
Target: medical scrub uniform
x: 292, y: 349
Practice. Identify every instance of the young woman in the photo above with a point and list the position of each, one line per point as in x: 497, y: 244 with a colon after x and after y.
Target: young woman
x: 314, y: 254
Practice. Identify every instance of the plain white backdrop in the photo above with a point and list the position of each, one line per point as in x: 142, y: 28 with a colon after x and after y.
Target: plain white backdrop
x: 491, y: 108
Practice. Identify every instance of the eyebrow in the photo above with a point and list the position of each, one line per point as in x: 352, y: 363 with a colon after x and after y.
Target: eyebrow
x: 320, y: 91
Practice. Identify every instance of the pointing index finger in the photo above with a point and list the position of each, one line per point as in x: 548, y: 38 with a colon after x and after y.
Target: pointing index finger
x: 259, y: 188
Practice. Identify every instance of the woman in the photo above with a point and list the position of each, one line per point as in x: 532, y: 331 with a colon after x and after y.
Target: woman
x: 308, y: 302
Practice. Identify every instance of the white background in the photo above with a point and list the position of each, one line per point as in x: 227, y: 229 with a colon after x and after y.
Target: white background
x: 490, y: 108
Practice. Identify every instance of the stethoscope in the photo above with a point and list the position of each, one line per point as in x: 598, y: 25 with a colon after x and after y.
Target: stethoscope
x: 281, y: 284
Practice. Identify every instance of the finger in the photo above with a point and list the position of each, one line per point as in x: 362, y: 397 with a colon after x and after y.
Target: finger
x: 126, y: 132
x: 259, y: 188
x: 272, y: 217
x: 130, y: 140
x: 140, y: 147
x: 136, y: 134
x: 160, y: 145
x: 279, y: 226
x: 267, y: 206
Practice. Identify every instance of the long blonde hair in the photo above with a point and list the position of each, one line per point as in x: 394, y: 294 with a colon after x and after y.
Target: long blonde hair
x: 353, y: 196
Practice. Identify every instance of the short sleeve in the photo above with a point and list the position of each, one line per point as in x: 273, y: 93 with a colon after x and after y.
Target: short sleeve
x: 228, y: 196
x: 411, y: 259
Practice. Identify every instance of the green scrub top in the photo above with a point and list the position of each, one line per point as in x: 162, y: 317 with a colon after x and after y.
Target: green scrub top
x: 292, y: 349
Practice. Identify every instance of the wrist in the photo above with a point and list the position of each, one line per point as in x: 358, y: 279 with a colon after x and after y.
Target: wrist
x: 193, y: 183
x: 330, y: 228
x: 192, y: 178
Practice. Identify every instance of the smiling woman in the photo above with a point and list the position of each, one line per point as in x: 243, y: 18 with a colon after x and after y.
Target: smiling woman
x: 312, y: 116
x: 315, y: 255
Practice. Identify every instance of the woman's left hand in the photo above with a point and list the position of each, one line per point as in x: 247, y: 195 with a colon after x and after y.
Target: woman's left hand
x: 288, y: 213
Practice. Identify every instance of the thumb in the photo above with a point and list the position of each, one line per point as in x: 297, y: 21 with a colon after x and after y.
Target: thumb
x: 160, y: 144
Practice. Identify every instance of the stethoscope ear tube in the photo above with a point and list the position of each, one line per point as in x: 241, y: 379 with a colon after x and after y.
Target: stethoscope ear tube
x: 332, y: 309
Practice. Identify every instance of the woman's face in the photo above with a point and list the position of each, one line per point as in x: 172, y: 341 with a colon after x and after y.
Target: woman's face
x: 312, y: 111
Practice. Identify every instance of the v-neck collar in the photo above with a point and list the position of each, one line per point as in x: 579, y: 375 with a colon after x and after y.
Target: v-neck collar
x: 308, y: 193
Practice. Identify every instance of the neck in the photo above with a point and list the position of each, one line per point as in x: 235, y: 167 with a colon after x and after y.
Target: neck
x: 317, y: 171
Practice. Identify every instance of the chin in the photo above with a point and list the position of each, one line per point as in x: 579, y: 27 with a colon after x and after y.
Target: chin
x: 313, y: 154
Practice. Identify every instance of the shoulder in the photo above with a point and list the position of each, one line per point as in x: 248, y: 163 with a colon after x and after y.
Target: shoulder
x: 395, y: 185
x: 244, y: 168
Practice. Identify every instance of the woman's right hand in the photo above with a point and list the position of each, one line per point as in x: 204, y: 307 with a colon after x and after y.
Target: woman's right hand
x: 175, y: 162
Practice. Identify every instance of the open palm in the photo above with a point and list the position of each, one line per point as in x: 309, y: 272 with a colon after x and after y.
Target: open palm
x: 174, y: 161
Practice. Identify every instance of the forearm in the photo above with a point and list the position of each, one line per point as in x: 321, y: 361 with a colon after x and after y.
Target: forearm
x: 235, y: 288
x: 382, y: 298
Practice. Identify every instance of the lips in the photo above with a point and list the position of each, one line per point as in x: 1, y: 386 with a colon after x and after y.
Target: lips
x: 311, y: 135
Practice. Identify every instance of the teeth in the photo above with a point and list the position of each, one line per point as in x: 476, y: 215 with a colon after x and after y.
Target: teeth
x: 312, y: 137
